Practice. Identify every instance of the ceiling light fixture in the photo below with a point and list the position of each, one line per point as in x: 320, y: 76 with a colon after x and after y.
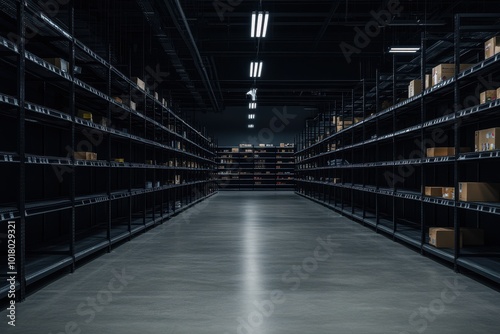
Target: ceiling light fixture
x: 252, y: 105
x: 260, y: 20
x: 251, y: 116
x: 255, y: 69
x: 253, y: 93
x: 404, y: 49
x: 251, y: 126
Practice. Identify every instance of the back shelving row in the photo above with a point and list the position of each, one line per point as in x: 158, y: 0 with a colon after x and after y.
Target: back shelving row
x: 376, y: 170
x: 84, y: 169
x: 251, y: 167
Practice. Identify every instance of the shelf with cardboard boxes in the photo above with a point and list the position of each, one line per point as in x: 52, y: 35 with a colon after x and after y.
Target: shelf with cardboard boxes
x: 254, y: 167
x: 420, y: 171
x: 92, y: 155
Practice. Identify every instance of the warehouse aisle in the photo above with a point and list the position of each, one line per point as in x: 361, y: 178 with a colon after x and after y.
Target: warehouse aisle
x: 260, y: 263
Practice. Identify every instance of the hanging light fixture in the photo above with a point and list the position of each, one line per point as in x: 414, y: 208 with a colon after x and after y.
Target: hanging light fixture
x: 260, y: 20
x: 253, y: 93
x: 255, y: 69
x: 404, y: 49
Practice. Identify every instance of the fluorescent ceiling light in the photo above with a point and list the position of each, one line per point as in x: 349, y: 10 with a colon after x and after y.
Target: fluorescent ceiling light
x: 253, y: 93
x: 251, y: 116
x: 255, y: 69
x: 251, y: 126
x: 258, y: 32
x: 259, y: 24
x: 252, y: 33
x: 404, y: 49
x: 252, y: 105
x: 266, y: 21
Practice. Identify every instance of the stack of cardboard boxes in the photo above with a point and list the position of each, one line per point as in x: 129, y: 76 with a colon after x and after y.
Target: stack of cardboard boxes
x: 444, y: 72
x: 415, y: 86
x: 85, y: 156
x: 343, y: 123
x: 439, y: 74
x: 491, y: 47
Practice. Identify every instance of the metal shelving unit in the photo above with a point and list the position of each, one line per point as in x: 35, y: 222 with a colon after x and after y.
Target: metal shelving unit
x: 255, y: 167
x: 375, y: 171
x: 66, y: 209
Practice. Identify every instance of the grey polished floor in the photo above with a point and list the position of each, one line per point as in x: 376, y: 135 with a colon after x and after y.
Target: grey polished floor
x: 260, y: 263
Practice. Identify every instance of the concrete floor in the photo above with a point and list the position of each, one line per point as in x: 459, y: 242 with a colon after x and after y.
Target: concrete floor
x: 260, y: 263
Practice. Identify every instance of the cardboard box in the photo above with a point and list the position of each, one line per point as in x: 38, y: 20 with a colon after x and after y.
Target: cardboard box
x: 85, y: 156
x: 434, y: 191
x: 86, y: 115
x: 126, y: 102
x: 472, y: 236
x: 129, y: 103
x: 60, y: 63
x: 428, y: 81
x: 443, y: 237
x: 444, y: 151
x: 346, y: 120
x: 479, y: 192
x: 414, y: 88
x: 446, y: 71
x: 139, y: 83
x: 120, y: 160
x: 491, y: 47
x: 487, y: 140
x: 449, y: 193
x: 488, y: 96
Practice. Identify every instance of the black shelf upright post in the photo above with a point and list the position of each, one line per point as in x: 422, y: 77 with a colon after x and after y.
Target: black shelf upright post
x: 352, y: 153
x: 423, y: 63
x: 21, y: 92
x: 394, y: 79
x: 456, y: 108
x: 363, y: 129
x: 394, y: 188
x: 110, y: 168
x: 131, y: 172
x: 342, y: 170
x: 377, y: 91
x: 377, y: 146
x: 71, y: 25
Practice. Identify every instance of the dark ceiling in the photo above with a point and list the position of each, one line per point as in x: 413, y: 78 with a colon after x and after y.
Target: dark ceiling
x: 304, y: 63
x: 206, y: 49
x: 196, y: 53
